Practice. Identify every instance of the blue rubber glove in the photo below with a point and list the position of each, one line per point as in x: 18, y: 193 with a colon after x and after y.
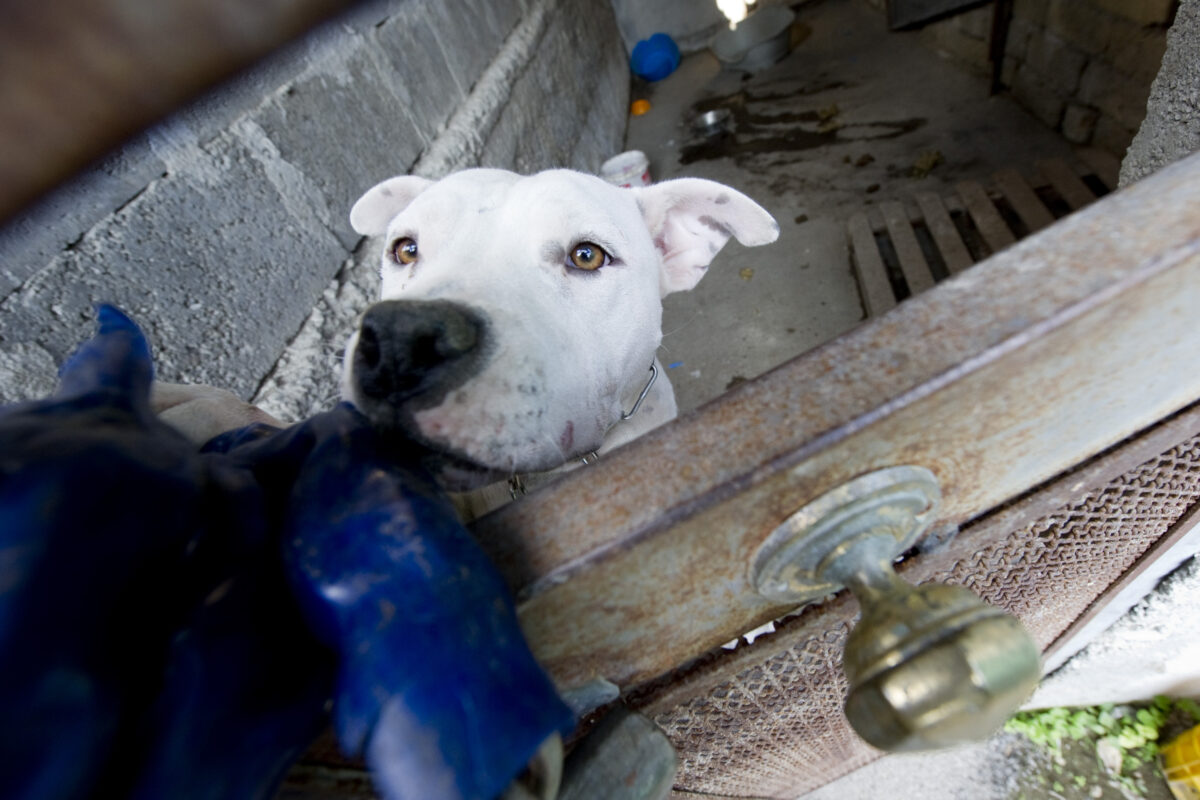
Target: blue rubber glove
x: 436, y: 684
x: 148, y: 635
x: 99, y: 506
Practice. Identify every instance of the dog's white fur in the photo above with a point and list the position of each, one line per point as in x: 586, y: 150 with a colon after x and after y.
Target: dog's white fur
x: 571, y: 349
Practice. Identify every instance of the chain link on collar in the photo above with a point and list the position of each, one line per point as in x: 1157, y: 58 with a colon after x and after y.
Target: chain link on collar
x: 516, y: 484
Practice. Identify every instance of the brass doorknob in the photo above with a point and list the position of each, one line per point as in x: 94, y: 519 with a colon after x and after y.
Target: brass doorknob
x: 929, y: 666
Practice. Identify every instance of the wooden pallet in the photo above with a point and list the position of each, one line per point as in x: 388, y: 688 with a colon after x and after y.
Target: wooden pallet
x: 901, y: 249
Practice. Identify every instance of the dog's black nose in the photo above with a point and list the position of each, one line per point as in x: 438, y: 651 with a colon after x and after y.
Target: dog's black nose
x: 408, y: 348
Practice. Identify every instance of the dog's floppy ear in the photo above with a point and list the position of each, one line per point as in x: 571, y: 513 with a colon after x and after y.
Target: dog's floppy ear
x: 383, y: 201
x: 690, y: 219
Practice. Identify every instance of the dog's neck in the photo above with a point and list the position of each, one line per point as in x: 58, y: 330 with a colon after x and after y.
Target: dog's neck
x: 650, y: 401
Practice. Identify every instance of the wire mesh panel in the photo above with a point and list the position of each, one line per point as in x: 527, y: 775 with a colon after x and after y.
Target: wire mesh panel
x: 766, y: 719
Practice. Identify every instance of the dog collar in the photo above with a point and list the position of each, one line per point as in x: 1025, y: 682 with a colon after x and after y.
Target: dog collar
x: 642, y: 396
x: 516, y: 484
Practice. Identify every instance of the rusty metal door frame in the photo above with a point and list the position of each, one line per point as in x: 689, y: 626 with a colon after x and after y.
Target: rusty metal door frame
x: 996, y: 380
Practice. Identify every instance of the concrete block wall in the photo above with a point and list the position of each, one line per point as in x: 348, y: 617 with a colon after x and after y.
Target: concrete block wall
x: 222, y: 228
x: 1171, y: 130
x: 1082, y: 67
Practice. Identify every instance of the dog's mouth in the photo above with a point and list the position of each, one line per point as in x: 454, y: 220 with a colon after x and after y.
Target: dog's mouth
x: 460, y: 474
x: 454, y: 470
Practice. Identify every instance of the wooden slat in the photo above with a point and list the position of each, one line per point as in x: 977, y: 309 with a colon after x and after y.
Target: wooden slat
x: 987, y: 219
x: 1106, y: 165
x: 945, y: 235
x: 1024, y: 200
x: 872, y: 275
x: 1066, y: 183
x: 908, y: 249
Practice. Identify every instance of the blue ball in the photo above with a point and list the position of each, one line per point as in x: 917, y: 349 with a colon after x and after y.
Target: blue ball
x: 655, y: 58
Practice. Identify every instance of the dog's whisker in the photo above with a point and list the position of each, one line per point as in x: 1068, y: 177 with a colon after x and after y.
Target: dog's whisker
x: 555, y: 446
x: 680, y: 327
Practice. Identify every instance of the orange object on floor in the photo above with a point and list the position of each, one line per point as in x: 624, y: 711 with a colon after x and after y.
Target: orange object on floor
x: 639, y: 107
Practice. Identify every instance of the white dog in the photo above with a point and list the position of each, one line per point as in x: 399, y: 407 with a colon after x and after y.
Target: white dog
x: 520, y: 315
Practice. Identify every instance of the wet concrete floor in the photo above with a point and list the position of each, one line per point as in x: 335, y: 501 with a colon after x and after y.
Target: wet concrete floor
x: 853, y: 116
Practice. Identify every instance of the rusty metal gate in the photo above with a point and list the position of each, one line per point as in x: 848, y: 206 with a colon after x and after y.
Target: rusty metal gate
x: 1026, y: 367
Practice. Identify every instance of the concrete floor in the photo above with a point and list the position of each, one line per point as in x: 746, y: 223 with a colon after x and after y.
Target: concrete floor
x: 832, y: 130
x: 850, y: 93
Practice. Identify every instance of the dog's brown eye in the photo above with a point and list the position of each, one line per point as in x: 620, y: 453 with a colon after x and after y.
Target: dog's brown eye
x: 588, y: 256
x: 404, y: 251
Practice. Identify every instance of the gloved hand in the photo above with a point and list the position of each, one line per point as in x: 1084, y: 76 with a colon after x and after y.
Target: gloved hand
x: 148, y: 631
x: 435, y: 683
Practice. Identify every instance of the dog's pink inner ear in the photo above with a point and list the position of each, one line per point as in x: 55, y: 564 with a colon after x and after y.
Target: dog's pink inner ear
x: 383, y: 201
x: 688, y: 244
x: 690, y: 221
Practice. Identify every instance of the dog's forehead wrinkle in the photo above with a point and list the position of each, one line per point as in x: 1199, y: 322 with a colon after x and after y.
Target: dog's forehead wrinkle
x: 584, y: 203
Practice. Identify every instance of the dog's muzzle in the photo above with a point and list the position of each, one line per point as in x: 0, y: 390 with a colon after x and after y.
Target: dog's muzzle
x: 416, y: 349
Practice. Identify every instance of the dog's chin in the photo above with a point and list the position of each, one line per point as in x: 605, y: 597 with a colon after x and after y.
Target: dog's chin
x: 457, y: 475
x: 454, y: 471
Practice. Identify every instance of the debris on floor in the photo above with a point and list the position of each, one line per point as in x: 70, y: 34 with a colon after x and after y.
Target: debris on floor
x: 926, y: 162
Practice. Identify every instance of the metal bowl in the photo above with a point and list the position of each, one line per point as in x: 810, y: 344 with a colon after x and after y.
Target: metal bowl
x: 713, y: 123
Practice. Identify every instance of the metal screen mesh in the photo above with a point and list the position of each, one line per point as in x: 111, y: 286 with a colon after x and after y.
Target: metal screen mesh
x: 766, y: 720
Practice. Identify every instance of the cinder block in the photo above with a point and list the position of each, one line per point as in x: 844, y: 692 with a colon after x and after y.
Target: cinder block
x: 1019, y: 34
x: 27, y: 372
x: 946, y: 38
x: 1112, y: 136
x: 488, y: 23
x: 470, y: 33
x: 550, y: 106
x: 216, y: 264
x: 38, y: 233
x: 1041, y: 100
x: 1144, y: 12
x: 1058, y: 64
x: 213, y: 113
x: 976, y: 23
x: 1079, y: 123
x: 1081, y: 23
x: 1117, y: 95
x: 1031, y: 12
x: 420, y: 73
x: 365, y: 15
x: 342, y: 127
x: 1136, y: 50
x: 1008, y: 72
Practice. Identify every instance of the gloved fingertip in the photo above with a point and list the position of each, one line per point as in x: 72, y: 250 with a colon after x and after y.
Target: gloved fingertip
x: 117, y: 357
x: 110, y: 319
